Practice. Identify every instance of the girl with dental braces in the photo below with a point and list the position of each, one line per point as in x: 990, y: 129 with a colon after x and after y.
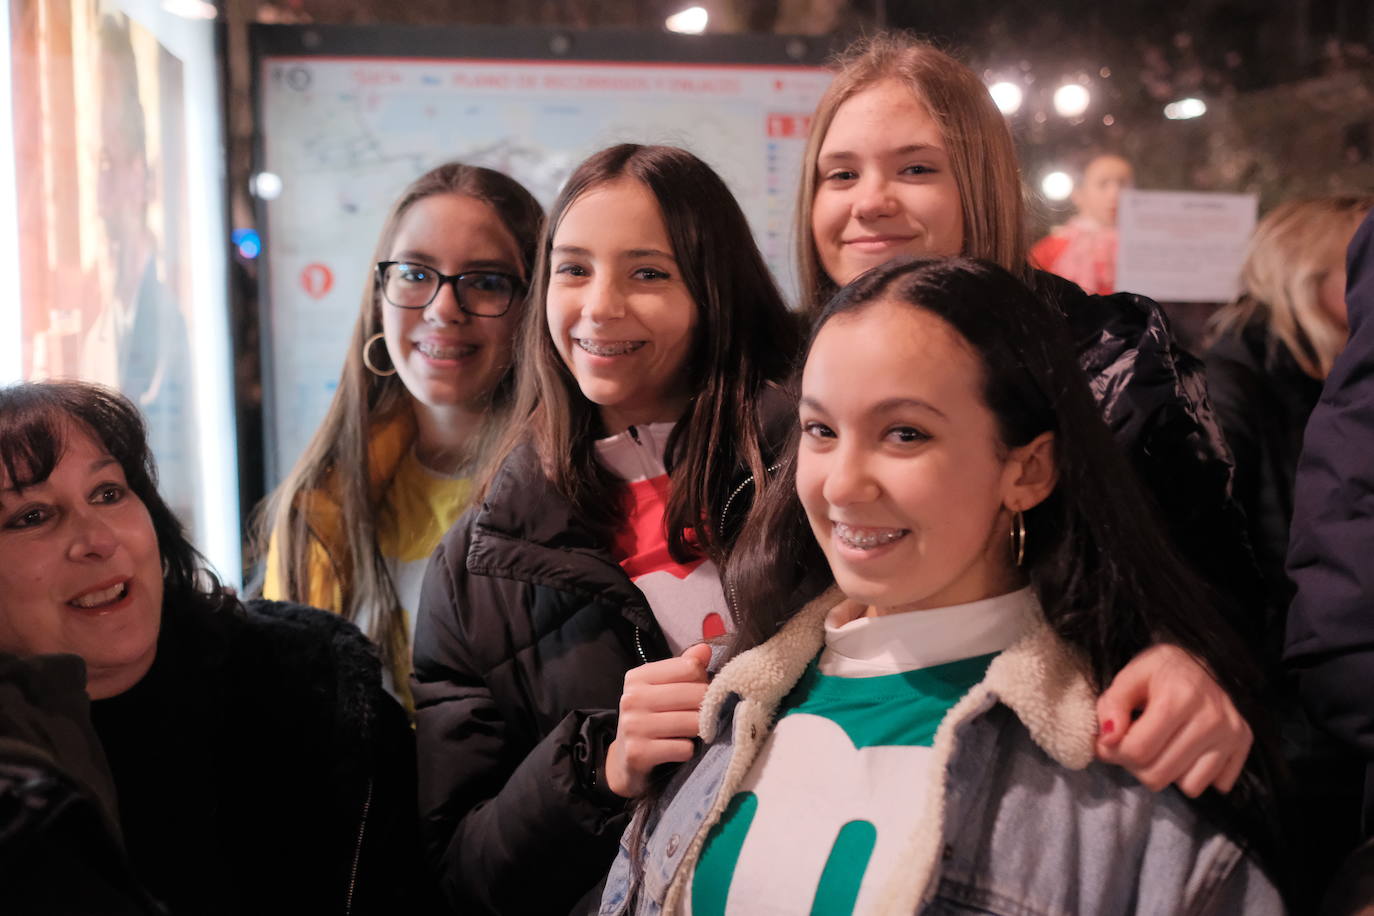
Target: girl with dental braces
x: 648, y: 373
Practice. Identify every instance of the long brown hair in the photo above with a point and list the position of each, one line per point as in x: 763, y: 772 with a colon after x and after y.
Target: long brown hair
x: 1290, y: 254
x: 1108, y: 580
x: 337, y: 460
x: 982, y: 155
x: 745, y: 339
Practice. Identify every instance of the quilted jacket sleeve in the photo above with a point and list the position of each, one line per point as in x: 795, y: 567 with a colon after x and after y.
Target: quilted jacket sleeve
x: 514, y: 821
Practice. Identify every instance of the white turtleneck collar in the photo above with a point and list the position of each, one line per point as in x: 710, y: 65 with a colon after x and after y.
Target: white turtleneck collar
x: 859, y: 646
x: 637, y: 453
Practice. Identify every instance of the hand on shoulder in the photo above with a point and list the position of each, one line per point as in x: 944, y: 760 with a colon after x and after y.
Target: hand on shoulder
x: 1166, y: 720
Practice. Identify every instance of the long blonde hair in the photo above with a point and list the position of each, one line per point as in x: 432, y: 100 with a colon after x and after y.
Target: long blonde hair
x: 981, y: 152
x: 337, y: 458
x: 1293, y: 249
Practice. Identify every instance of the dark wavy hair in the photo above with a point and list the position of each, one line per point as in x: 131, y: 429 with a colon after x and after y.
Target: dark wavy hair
x: 1098, y: 558
x: 35, y: 420
x: 745, y: 340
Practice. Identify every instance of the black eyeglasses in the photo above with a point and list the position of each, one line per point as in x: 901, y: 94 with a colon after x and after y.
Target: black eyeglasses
x: 484, y: 293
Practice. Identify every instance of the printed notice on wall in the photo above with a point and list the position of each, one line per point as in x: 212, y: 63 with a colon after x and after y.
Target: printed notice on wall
x: 1178, y: 246
x: 345, y: 135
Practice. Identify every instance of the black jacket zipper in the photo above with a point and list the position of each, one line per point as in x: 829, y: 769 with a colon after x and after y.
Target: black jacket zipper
x: 358, y: 851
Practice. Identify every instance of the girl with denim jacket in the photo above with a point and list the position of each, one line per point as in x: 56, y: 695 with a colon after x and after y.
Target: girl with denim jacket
x: 908, y: 155
x: 921, y: 736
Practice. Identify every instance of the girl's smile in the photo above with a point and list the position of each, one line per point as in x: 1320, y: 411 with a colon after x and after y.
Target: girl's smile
x: 618, y: 309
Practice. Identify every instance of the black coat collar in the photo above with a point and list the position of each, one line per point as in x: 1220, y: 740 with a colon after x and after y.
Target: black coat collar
x: 527, y: 530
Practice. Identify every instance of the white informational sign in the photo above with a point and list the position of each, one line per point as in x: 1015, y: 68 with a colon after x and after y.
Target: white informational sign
x: 1183, y: 246
x: 345, y: 135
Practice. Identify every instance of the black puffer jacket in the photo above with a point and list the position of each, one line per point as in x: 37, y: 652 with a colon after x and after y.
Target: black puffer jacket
x: 1153, y: 395
x: 261, y: 768
x: 527, y: 626
x: 1263, y: 400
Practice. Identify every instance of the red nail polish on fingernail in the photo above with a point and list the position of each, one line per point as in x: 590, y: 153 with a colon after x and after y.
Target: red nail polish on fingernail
x: 1108, y: 727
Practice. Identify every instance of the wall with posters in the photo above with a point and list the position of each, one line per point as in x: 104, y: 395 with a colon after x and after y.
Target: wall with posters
x: 346, y: 122
x: 119, y: 255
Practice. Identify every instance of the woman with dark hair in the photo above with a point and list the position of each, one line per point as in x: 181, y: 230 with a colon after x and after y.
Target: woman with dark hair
x: 424, y: 392
x: 908, y: 155
x: 646, y: 360
x: 920, y: 737
x: 258, y: 764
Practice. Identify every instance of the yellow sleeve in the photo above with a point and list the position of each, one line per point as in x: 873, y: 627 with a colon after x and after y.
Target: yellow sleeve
x: 322, y: 586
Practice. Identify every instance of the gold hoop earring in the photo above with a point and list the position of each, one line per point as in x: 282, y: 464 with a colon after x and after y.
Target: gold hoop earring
x: 367, y: 360
x: 1018, y: 537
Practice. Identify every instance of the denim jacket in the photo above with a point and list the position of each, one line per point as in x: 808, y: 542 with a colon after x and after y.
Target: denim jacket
x: 1024, y: 821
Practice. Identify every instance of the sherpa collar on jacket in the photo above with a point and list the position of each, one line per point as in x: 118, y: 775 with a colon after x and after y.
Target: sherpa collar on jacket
x: 1039, y: 677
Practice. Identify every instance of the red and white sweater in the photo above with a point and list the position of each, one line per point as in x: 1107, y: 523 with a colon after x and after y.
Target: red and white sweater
x: 687, y: 599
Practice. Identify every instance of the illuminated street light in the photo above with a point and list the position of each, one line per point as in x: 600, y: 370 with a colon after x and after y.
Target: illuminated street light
x: 1071, y: 100
x: 1184, y: 109
x: 265, y: 185
x: 1057, y: 186
x: 691, y: 21
x: 1007, y: 96
x: 190, y: 9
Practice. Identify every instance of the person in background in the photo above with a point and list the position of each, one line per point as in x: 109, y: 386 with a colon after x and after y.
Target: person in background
x: 1329, y: 647
x: 423, y: 392
x: 1271, y: 350
x: 908, y: 155
x: 920, y: 738
x: 653, y: 347
x: 1084, y: 249
x: 258, y: 764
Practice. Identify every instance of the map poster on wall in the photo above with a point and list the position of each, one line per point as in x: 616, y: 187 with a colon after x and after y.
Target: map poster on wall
x: 344, y: 134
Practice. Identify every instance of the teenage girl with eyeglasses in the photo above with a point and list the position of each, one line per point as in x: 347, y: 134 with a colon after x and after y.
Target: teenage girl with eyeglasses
x: 424, y: 388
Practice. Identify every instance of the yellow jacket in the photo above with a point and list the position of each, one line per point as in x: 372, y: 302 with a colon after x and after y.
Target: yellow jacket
x: 328, y: 557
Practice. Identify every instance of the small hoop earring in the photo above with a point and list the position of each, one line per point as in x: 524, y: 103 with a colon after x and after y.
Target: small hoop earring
x: 1018, y: 537
x: 367, y: 359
